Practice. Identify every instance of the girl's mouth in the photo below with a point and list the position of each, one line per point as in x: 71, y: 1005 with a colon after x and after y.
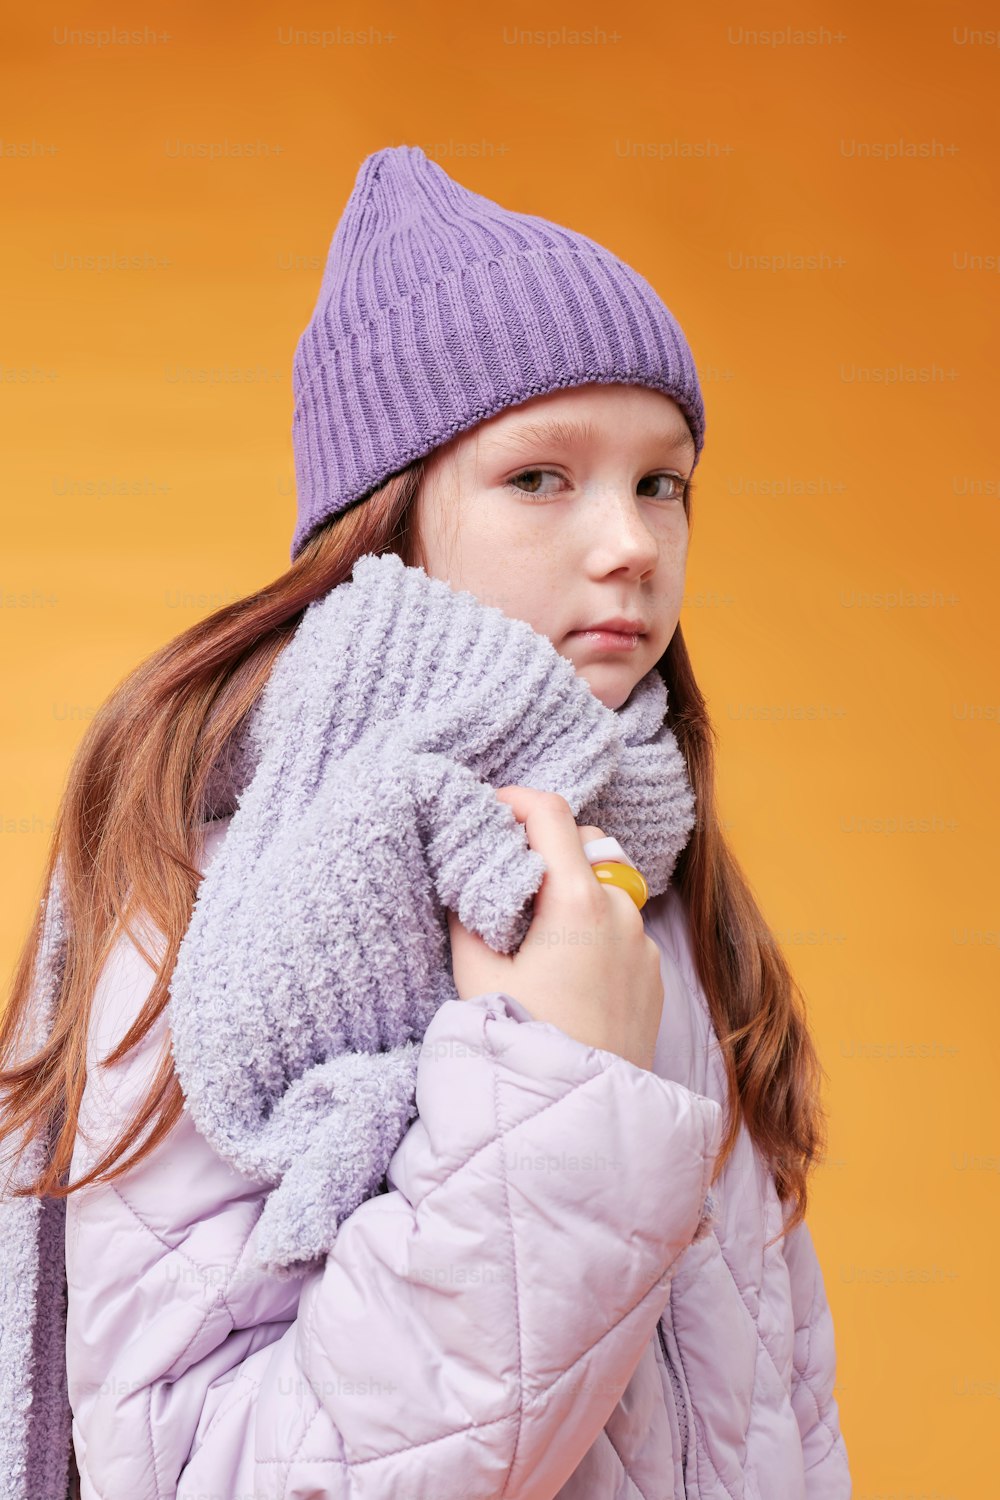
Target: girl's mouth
x: 608, y: 640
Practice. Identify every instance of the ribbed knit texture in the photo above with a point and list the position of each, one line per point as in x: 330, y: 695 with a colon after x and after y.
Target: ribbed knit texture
x: 438, y: 308
x: 362, y: 797
x: 318, y: 949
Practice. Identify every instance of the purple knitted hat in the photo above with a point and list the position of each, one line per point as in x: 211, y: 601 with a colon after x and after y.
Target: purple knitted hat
x: 438, y: 309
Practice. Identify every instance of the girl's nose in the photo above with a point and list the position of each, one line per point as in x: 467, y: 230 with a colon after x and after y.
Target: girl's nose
x: 623, y: 534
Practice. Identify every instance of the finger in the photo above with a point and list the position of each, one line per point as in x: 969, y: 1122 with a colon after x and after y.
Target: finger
x: 459, y: 933
x: 474, y: 963
x: 587, y: 831
x: 464, y: 938
x: 552, y: 832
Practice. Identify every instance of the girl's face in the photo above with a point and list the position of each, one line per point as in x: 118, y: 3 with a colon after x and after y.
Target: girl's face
x: 568, y: 511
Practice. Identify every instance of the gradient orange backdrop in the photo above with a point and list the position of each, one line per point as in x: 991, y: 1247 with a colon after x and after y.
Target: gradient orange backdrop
x: 821, y: 214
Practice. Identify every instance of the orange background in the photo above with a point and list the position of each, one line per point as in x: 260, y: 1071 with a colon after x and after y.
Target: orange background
x: 840, y: 607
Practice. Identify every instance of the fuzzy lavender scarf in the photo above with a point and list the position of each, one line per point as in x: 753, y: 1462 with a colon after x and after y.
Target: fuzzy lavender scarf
x: 363, y: 806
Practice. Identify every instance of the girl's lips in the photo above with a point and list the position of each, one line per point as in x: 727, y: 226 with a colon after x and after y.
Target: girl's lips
x: 608, y: 640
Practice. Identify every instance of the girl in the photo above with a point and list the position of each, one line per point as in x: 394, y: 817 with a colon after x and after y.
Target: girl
x: 587, y: 1271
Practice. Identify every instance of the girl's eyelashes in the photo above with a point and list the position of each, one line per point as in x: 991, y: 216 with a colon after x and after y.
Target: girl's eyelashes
x: 513, y: 482
x: 677, y: 492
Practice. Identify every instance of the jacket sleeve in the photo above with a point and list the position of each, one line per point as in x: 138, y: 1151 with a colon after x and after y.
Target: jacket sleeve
x: 814, y: 1372
x: 469, y: 1334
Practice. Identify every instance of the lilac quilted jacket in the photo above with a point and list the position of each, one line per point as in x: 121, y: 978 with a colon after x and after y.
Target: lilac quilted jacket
x: 546, y: 1301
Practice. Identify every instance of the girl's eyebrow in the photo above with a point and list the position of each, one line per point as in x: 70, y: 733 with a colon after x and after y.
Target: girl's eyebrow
x: 549, y: 431
x: 563, y: 434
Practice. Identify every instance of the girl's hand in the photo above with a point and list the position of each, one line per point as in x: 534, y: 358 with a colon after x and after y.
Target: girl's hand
x: 586, y: 964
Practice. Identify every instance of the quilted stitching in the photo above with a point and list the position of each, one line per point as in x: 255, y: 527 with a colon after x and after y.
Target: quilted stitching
x: 318, y: 1431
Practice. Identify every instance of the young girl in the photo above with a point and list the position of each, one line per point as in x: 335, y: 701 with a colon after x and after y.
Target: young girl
x: 586, y: 1272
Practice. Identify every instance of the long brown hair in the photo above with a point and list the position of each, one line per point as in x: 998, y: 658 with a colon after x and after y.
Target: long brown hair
x: 126, y: 838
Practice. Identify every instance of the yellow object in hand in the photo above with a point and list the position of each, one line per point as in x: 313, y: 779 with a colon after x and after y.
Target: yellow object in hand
x: 613, y: 872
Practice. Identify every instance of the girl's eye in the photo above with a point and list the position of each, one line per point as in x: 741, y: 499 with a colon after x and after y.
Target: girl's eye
x: 514, y: 483
x: 676, y: 480
x: 675, y: 491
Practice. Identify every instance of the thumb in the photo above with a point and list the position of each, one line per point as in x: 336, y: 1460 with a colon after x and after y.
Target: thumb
x: 475, y: 967
x: 463, y: 939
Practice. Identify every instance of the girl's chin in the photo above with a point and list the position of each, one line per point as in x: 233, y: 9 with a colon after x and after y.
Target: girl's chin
x: 611, y: 682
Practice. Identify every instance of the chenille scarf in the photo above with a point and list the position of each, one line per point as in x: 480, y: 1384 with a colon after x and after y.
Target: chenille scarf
x: 361, y: 789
